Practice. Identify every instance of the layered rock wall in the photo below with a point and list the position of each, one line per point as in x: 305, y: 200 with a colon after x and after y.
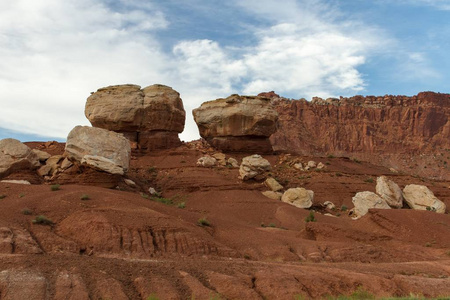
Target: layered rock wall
x: 369, y: 127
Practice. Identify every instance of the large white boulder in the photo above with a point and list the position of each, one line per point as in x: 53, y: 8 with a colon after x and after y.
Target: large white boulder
x: 99, y: 148
x: 389, y: 191
x: 422, y: 198
x: 298, y: 197
x: 253, y: 166
x: 15, y: 155
x: 363, y: 201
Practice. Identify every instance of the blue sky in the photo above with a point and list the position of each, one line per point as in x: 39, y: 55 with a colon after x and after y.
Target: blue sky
x: 53, y: 53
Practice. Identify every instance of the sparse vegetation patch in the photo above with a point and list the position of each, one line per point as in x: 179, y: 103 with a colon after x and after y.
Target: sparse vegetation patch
x: 42, y: 220
x: 55, y: 187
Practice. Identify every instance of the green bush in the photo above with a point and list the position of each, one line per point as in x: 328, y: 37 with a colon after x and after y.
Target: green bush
x: 344, y: 207
x: 369, y: 180
x: 42, y: 220
x: 203, y: 222
x: 85, y: 197
x: 181, y: 205
x: 2, y: 196
x: 310, y: 217
x: 55, y: 187
x: 26, y: 211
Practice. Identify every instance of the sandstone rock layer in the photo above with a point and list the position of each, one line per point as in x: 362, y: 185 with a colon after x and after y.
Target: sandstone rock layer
x: 151, y: 117
x: 237, y: 123
x: 397, y: 131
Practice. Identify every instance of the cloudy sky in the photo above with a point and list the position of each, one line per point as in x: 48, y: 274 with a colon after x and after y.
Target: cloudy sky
x: 53, y: 53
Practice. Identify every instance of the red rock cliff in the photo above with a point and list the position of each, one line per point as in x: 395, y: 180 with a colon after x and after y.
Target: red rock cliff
x: 366, y: 126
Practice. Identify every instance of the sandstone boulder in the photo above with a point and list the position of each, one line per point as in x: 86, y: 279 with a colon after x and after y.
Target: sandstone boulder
x: 151, y: 117
x: 221, y: 158
x: 272, y: 195
x: 389, y: 191
x: 15, y: 155
x: 298, y: 197
x: 206, y: 161
x: 233, y: 162
x: 253, y: 166
x: 99, y: 148
x: 42, y: 155
x: 422, y: 198
x: 237, y: 123
x: 272, y: 184
x: 363, y: 201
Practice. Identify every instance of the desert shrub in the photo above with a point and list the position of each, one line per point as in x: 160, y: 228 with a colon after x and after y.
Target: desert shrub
x: 42, y: 220
x: 203, y: 222
x: 26, y: 211
x: 272, y: 225
x: 338, y: 174
x: 344, y: 207
x: 310, y: 217
x: 55, y: 187
x: 181, y: 205
x: 84, y: 197
x: 152, y: 297
x: 2, y: 196
x: 330, y: 156
x: 369, y: 180
x: 21, y: 195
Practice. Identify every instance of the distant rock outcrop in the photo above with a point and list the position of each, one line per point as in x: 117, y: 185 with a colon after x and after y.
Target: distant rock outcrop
x: 237, y: 123
x: 151, y: 118
x: 405, y: 132
x: 99, y: 148
x: 15, y: 155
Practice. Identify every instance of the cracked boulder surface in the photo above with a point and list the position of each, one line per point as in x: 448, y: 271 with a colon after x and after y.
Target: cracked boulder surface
x: 209, y: 235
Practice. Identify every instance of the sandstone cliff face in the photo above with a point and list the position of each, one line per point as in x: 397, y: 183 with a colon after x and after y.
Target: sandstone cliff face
x: 392, y: 128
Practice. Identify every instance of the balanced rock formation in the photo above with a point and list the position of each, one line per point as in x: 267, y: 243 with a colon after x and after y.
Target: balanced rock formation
x: 390, y: 130
x: 253, y: 166
x: 364, y: 201
x: 299, y: 197
x: 99, y: 148
x: 422, y: 198
x: 15, y: 155
x: 151, y: 117
x: 237, y: 123
x: 389, y: 191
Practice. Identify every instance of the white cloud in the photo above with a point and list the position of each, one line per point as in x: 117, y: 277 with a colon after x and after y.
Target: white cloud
x: 438, y: 4
x: 53, y: 53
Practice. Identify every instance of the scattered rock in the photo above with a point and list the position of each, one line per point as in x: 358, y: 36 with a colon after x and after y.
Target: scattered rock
x: 16, y: 181
x: 45, y: 170
x: 99, y: 148
x: 15, y: 155
x: 364, y: 201
x: 422, y: 198
x: 389, y: 191
x: 253, y: 166
x: 221, y: 158
x: 151, y: 117
x: 272, y: 184
x: 311, y: 164
x: 42, y: 155
x: 237, y: 123
x: 320, y: 166
x: 66, y: 163
x: 329, y: 205
x: 152, y: 191
x: 393, y: 170
x: 206, y: 161
x: 298, y: 197
x: 130, y: 182
x: 299, y: 166
x: 272, y: 195
x: 233, y: 162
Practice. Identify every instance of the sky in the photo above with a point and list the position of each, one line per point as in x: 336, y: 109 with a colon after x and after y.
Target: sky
x: 54, y: 53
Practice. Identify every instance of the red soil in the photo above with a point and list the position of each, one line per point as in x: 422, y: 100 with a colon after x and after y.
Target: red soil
x: 122, y: 245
